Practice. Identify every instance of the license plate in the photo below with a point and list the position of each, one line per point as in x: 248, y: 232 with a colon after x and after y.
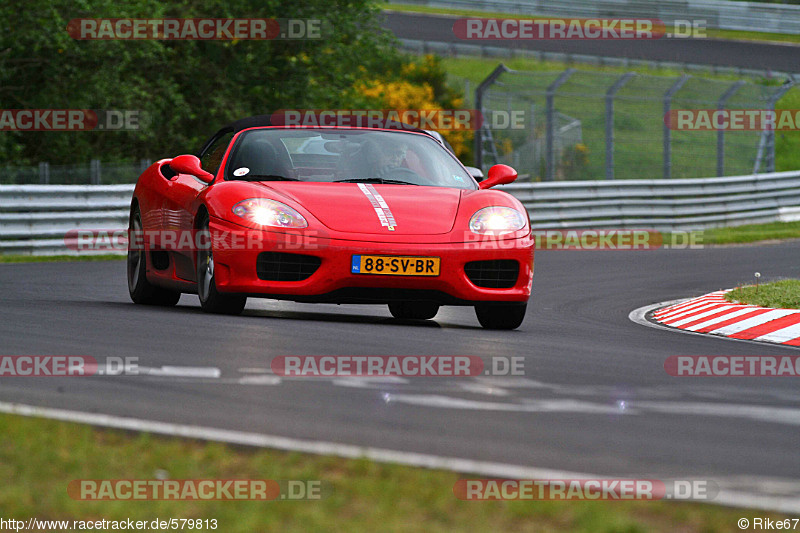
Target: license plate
x: 394, y: 265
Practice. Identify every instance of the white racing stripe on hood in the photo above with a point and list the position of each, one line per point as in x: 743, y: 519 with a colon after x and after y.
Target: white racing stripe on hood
x: 379, y: 204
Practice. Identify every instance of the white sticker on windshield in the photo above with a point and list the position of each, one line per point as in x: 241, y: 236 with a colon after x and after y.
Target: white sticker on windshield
x: 241, y: 171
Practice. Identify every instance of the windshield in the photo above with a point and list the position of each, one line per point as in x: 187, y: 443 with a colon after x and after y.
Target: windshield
x: 347, y: 156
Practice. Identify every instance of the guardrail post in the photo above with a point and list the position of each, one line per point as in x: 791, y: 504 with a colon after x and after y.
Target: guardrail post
x: 94, y: 172
x: 550, y: 113
x: 485, y: 84
x: 144, y: 164
x: 667, y: 132
x: 612, y: 91
x: 44, y: 173
x: 720, y: 132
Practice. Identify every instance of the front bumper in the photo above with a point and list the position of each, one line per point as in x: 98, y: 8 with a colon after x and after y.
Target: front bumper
x: 333, y: 281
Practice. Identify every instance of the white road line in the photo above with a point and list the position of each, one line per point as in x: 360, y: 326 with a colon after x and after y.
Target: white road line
x: 729, y: 497
x: 369, y: 382
x: 182, y: 371
x: 259, y: 379
x: 781, y: 335
x: 748, y: 323
x: 255, y: 370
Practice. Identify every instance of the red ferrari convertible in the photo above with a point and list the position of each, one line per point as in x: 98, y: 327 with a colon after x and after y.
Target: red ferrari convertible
x: 334, y: 215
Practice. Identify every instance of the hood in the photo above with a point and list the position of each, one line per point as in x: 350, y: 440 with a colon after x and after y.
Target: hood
x: 346, y: 207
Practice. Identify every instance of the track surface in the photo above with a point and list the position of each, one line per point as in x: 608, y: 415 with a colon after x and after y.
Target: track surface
x: 583, y: 356
x: 751, y: 55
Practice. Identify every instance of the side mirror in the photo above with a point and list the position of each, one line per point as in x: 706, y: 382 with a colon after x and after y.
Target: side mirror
x: 499, y: 175
x: 190, y: 164
x: 475, y: 173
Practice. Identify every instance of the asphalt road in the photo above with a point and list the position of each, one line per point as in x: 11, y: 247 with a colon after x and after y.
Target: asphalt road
x: 582, y: 358
x: 751, y: 55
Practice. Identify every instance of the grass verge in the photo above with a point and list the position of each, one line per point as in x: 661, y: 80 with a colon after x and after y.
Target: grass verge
x: 40, y: 457
x: 751, y: 233
x: 782, y: 294
x: 711, y: 33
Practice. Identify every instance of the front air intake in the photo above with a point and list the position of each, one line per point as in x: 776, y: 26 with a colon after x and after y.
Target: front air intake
x: 281, y: 266
x: 493, y: 274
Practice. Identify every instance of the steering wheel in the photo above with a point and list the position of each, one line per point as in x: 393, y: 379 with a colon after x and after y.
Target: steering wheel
x: 400, y: 173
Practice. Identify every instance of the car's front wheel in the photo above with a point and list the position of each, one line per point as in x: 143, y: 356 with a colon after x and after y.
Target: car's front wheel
x: 141, y: 290
x: 501, y: 315
x: 414, y: 310
x: 211, y: 300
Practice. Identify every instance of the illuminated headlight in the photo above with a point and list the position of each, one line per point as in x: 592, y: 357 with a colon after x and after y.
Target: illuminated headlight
x: 266, y: 212
x: 497, y: 220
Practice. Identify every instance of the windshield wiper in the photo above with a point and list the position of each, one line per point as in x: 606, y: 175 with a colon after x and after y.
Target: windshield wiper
x: 375, y: 180
x: 266, y: 177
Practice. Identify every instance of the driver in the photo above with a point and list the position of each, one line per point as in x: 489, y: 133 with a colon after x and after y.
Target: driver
x: 390, y: 157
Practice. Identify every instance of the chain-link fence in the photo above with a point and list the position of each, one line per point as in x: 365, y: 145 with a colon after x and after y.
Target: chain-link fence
x: 92, y: 173
x: 590, y: 125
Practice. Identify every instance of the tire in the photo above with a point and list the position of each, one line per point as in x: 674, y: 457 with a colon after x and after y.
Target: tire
x: 212, y: 301
x: 141, y: 290
x: 501, y: 315
x: 414, y: 310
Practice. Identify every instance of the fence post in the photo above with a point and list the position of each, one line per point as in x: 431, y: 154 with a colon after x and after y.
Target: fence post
x: 612, y: 91
x: 667, y: 133
x: 144, y: 164
x: 550, y: 113
x: 484, y: 85
x: 94, y: 172
x: 44, y: 173
x: 773, y: 100
x: 720, y: 132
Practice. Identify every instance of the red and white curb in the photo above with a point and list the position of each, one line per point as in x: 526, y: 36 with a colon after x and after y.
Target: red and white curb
x: 712, y: 314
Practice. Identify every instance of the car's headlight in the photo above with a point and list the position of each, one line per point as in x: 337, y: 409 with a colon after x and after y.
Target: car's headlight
x: 266, y: 212
x: 497, y: 220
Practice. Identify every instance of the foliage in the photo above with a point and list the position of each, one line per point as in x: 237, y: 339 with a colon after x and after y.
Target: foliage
x: 419, y: 85
x: 187, y: 88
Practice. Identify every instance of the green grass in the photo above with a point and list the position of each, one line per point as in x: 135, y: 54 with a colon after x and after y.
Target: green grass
x: 783, y: 294
x: 752, y: 233
x: 638, y: 118
x: 53, y: 258
x: 38, y: 458
x: 710, y: 33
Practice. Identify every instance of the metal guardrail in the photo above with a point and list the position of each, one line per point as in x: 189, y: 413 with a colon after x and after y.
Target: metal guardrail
x: 718, y: 14
x: 662, y: 205
x: 35, y: 218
